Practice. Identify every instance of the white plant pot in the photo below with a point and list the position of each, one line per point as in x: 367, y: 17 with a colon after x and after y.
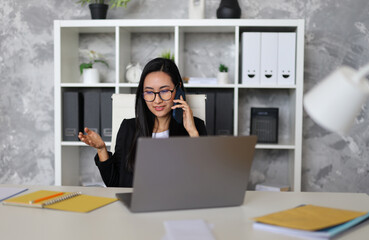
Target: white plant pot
x: 222, y: 77
x: 91, y: 76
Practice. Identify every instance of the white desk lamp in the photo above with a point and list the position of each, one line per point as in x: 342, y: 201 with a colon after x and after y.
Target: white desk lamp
x: 336, y: 101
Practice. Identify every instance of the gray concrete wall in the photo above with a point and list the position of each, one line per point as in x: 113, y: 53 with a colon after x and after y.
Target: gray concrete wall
x: 337, y: 32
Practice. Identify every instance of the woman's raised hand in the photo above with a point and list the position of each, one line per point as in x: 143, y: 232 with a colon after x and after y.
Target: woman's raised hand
x: 92, y: 139
x: 188, y: 121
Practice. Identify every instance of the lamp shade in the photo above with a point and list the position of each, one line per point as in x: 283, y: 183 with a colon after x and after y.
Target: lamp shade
x: 337, y: 100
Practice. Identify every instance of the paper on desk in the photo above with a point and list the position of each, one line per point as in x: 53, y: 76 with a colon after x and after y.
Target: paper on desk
x: 309, y: 217
x: 6, y: 192
x: 187, y: 229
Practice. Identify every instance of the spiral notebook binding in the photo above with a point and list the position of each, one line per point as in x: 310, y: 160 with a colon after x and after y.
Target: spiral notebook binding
x: 62, y: 198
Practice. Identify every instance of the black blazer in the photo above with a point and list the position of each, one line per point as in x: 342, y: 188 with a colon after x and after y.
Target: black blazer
x: 113, y: 171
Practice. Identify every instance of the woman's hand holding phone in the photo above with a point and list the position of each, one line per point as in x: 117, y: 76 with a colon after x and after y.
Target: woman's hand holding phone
x: 188, y: 121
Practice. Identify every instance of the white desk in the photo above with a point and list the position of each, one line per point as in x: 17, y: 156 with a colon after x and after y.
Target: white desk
x: 114, y: 221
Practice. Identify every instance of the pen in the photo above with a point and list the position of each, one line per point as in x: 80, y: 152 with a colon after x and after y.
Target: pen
x: 45, y: 198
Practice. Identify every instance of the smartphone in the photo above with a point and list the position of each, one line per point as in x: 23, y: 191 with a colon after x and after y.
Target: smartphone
x: 178, y: 112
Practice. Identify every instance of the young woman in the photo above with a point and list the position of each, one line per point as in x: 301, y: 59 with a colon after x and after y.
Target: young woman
x: 159, y: 82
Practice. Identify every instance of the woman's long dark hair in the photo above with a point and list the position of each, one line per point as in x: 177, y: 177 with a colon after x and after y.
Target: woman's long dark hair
x: 144, y: 117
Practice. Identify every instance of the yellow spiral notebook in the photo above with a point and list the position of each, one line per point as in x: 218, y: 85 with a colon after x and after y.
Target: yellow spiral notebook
x: 309, y: 217
x: 66, y: 201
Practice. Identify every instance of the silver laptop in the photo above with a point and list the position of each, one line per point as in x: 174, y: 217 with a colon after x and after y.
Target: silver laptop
x: 187, y: 173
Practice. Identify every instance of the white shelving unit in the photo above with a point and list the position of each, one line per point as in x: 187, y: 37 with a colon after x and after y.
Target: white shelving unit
x: 66, y: 58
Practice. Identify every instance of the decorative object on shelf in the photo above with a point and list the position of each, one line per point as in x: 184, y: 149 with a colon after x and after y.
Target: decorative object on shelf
x: 229, y: 9
x: 264, y: 124
x: 167, y: 55
x: 196, y: 9
x: 222, y: 76
x: 90, y: 74
x: 133, y: 73
x: 99, y: 8
x: 98, y: 11
x: 337, y: 100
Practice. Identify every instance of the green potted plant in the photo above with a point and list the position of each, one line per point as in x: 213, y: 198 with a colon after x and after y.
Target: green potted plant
x: 91, y: 74
x: 222, y: 76
x: 99, y: 8
x: 167, y: 55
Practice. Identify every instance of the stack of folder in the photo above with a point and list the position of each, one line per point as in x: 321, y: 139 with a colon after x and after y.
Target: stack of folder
x: 268, y: 58
x: 87, y: 108
x: 309, y: 221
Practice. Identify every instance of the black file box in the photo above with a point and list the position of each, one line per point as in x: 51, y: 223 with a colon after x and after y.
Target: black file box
x: 224, y: 113
x: 91, y: 110
x: 106, y: 115
x: 72, y: 115
x: 210, y: 113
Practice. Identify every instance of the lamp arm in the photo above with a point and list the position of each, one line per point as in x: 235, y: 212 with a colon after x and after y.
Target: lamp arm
x: 362, y: 72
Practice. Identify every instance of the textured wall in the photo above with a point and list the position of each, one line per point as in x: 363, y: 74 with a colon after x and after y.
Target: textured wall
x: 337, y: 32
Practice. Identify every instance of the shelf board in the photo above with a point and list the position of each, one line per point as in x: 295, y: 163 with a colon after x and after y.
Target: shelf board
x: 209, y: 85
x: 128, y: 85
x: 210, y: 29
x: 93, y: 25
x: 187, y: 85
x: 87, y: 85
x: 142, y: 29
x: 275, y: 146
x: 78, y: 144
x: 91, y: 29
x: 266, y: 86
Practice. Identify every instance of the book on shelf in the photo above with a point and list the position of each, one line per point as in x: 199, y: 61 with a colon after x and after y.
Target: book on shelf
x: 273, y: 187
x: 310, y: 221
x: 200, y: 80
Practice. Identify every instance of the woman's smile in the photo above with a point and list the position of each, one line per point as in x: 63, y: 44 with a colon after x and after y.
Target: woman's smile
x: 159, y: 108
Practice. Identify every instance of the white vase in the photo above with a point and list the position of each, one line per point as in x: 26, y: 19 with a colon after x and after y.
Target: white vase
x: 91, y: 76
x: 196, y: 9
x: 222, y: 77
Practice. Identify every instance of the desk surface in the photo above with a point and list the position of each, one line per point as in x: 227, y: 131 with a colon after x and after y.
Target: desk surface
x: 114, y: 221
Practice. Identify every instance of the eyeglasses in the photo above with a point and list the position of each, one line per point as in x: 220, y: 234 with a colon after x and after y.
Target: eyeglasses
x: 165, y: 95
